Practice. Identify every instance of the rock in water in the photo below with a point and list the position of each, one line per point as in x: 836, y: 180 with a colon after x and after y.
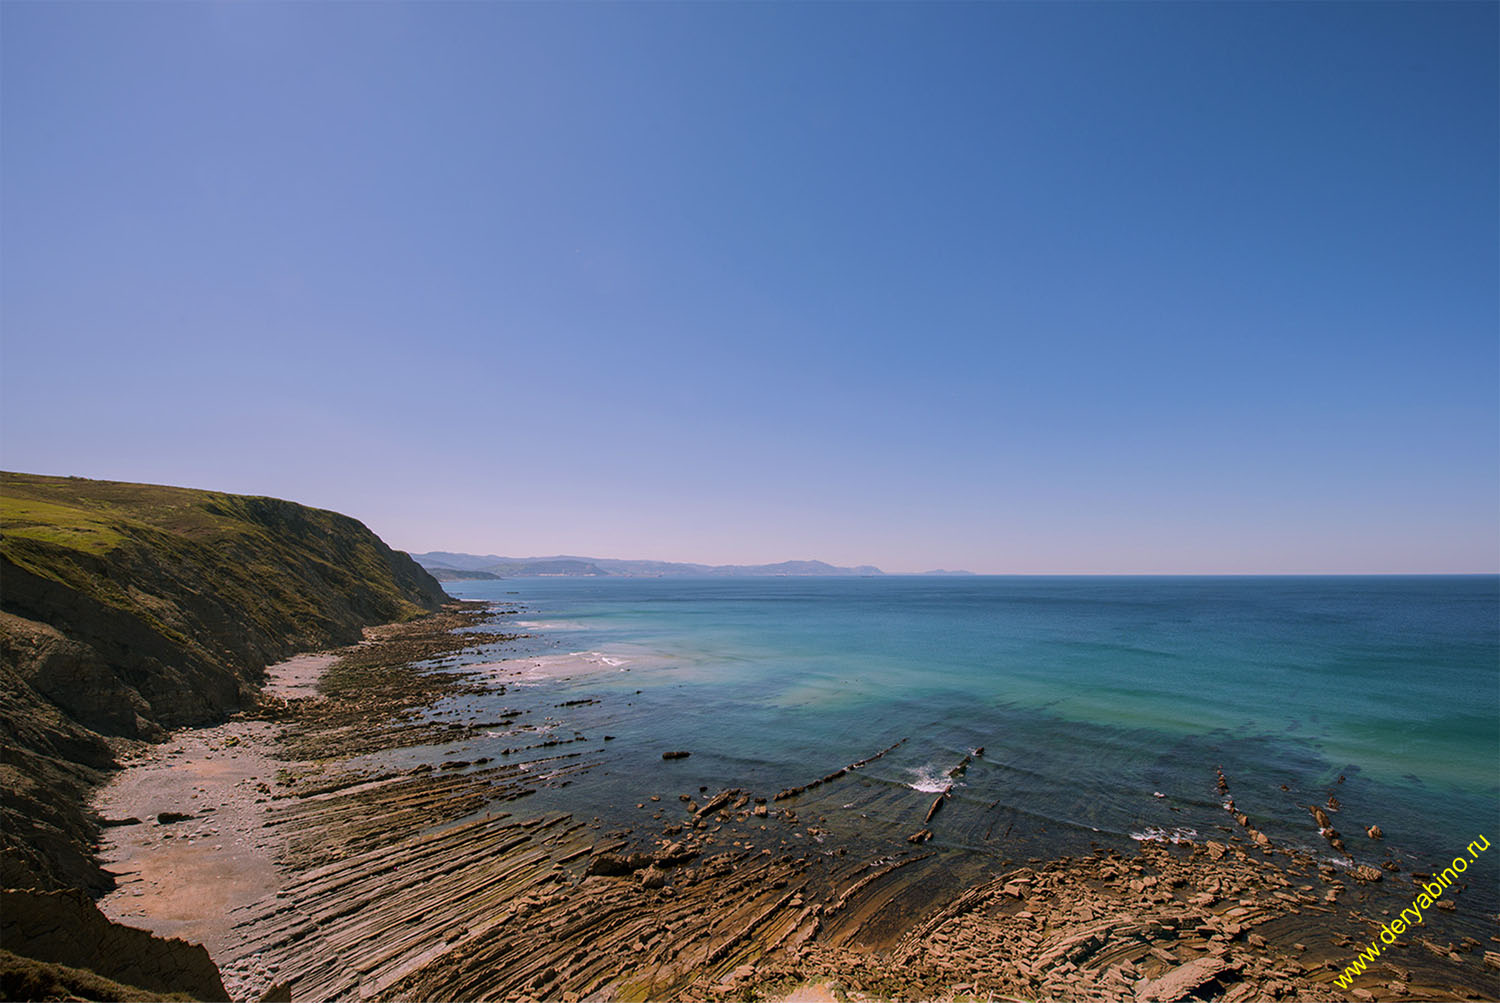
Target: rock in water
x: 937, y: 803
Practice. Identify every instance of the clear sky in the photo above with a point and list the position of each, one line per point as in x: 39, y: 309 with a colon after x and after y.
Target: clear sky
x: 1008, y: 287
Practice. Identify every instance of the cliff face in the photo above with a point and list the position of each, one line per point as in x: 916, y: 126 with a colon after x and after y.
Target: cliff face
x: 66, y: 929
x: 132, y: 609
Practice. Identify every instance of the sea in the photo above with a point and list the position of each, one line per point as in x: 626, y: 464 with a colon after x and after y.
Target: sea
x: 1065, y: 713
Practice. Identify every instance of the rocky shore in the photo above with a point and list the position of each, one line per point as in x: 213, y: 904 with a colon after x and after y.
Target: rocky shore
x: 131, y: 610
x: 336, y: 843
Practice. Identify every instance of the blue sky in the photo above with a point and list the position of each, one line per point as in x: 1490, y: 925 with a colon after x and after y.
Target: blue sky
x: 1008, y: 287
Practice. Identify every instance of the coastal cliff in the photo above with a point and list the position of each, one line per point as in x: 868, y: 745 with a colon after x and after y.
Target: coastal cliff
x: 127, y: 610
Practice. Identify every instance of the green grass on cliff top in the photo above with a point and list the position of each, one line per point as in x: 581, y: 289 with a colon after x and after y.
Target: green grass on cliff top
x: 267, y: 556
x: 60, y: 525
x: 96, y: 516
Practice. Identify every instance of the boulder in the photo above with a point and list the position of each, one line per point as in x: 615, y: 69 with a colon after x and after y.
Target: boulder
x: 673, y: 854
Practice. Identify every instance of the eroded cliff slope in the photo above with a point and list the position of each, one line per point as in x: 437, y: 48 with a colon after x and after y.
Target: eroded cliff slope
x: 127, y: 610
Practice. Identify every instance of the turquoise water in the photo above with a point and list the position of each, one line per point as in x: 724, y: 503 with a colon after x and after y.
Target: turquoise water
x: 1089, y: 695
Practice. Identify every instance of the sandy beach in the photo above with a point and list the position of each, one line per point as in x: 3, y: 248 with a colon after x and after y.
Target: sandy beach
x: 201, y: 848
x: 314, y: 856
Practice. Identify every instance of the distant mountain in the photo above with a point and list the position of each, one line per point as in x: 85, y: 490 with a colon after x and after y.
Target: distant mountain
x: 450, y: 559
x: 457, y: 574
x: 459, y: 564
x: 508, y: 568
x: 935, y: 571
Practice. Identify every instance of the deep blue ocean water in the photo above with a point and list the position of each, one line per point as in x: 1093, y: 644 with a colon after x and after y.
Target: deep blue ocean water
x: 1103, y: 704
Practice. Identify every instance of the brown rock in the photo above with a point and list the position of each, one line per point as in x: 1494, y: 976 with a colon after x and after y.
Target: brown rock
x: 673, y: 854
x: 720, y: 800
x: 937, y: 803
x: 1374, y: 832
x: 676, y: 755
x: 616, y: 864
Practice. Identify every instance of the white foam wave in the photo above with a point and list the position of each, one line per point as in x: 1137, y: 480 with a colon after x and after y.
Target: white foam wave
x: 531, y: 669
x: 1176, y: 835
x: 932, y: 777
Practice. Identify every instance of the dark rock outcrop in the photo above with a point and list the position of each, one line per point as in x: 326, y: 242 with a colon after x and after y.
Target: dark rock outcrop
x: 65, y: 928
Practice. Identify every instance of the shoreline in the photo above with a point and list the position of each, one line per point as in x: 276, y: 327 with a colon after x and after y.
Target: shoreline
x: 186, y: 874
x: 438, y: 881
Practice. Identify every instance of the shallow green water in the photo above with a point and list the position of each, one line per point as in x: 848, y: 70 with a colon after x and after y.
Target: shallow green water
x: 1089, y: 695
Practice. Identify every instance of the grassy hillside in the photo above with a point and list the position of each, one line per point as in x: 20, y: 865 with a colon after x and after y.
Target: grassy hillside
x: 132, y: 609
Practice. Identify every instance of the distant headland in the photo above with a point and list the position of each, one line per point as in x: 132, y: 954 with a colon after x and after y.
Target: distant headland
x: 448, y: 566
